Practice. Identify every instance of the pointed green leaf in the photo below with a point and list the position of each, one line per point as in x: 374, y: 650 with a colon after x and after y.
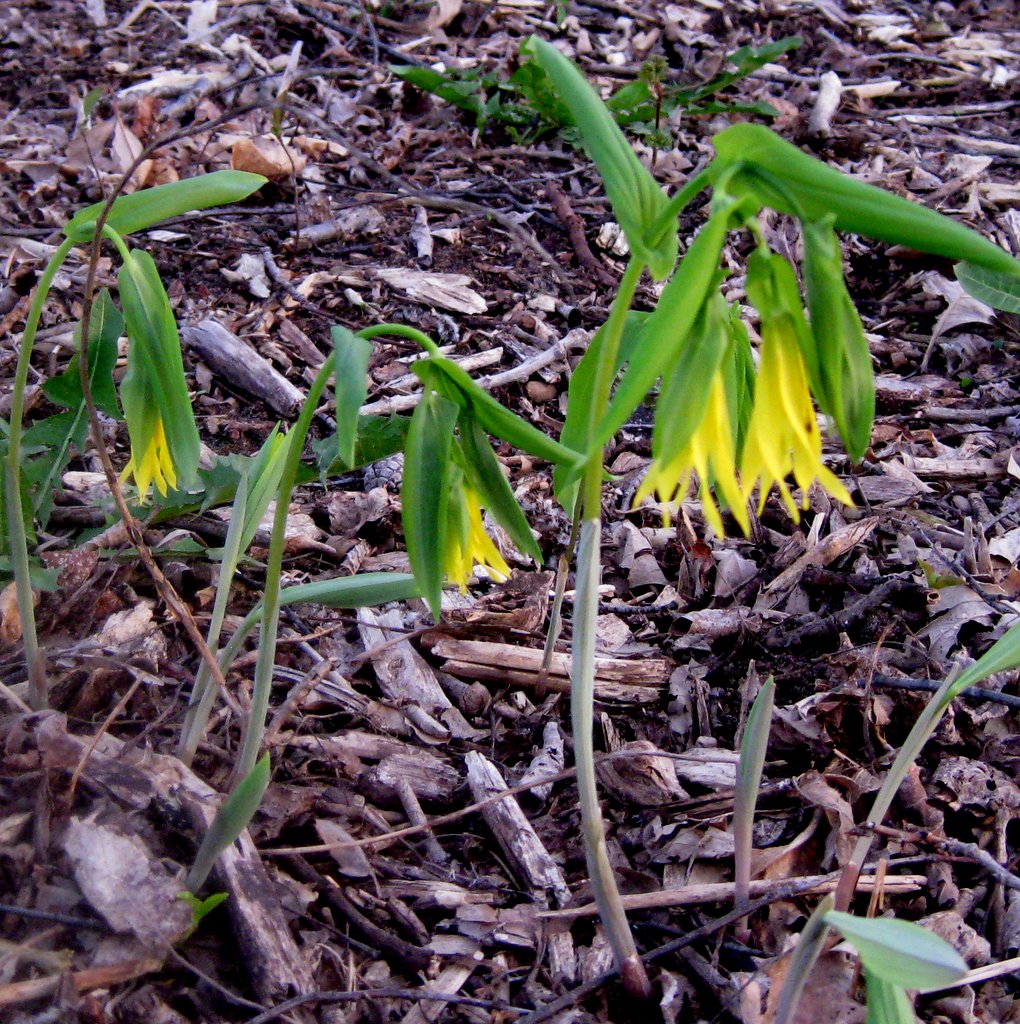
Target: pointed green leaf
x: 231, y: 820
x: 143, y: 209
x: 1002, y: 656
x: 482, y: 469
x: 425, y: 494
x: 846, y: 381
x: 351, y: 387
x: 665, y: 331
x: 899, y: 952
x: 820, y: 190
x: 749, y: 769
x: 805, y: 954
x: 636, y: 197
x: 495, y: 418
x: 1001, y: 291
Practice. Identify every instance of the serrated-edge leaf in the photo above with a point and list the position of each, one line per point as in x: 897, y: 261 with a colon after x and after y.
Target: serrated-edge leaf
x: 900, y: 952
x: 424, y: 494
x: 482, y: 469
x: 1000, y: 291
x: 350, y: 363
x: 149, y: 207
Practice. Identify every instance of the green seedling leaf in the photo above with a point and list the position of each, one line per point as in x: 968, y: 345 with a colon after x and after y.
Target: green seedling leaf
x: 425, y: 493
x: 351, y: 387
x: 201, y: 908
x: 142, y: 210
x: 483, y: 472
x: 154, y: 389
x: 362, y: 591
x: 887, y: 1004
x: 752, y: 761
x: 231, y: 820
x: 634, y: 194
x: 464, y: 92
x: 789, y: 180
x: 665, y: 332
x: 845, y: 388
x: 90, y: 102
x: 998, y: 290
x: 805, y: 954
x: 899, y: 952
x: 378, y: 437
x: 495, y: 419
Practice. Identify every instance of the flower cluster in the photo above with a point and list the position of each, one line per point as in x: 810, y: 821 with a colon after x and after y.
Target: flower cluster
x: 781, y: 438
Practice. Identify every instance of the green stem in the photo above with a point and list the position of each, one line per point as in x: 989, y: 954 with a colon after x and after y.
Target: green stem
x: 38, y: 686
x: 264, y: 666
x: 401, y: 331
x: 604, y: 888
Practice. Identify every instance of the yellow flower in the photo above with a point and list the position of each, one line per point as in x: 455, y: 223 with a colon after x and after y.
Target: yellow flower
x: 709, y: 453
x: 153, y: 466
x: 467, y: 543
x: 783, y: 436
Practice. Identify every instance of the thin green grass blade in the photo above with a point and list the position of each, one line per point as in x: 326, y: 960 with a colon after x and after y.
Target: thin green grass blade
x: 805, y: 954
x: 887, y: 1004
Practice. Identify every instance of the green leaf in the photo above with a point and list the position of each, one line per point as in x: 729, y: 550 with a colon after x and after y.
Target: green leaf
x: 231, y: 820
x: 634, y: 194
x: 361, y: 591
x: 887, y: 1004
x: 482, y: 469
x: 1002, y: 656
x: 463, y: 92
x: 665, y: 331
x: 805, y: 954
x: 201, y: 909
x: 775, y: 171
x: 899, y: 952
x: 351, y: 387
x: 144, y: 209
x: 88, y: 104
x: 580, y: 394
x: 106, y: 326
x: 1000, y: 291
x: 845, y: 388
x: 681, y: 404
x: 425, y: 494
x: 495, y: 418
x: 753, y: 747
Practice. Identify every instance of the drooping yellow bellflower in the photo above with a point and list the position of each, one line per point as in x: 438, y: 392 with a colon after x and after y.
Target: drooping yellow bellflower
x: 783, y: 436
x: 467, y: 542
x: 152, y: 465
x: 710, y: 454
